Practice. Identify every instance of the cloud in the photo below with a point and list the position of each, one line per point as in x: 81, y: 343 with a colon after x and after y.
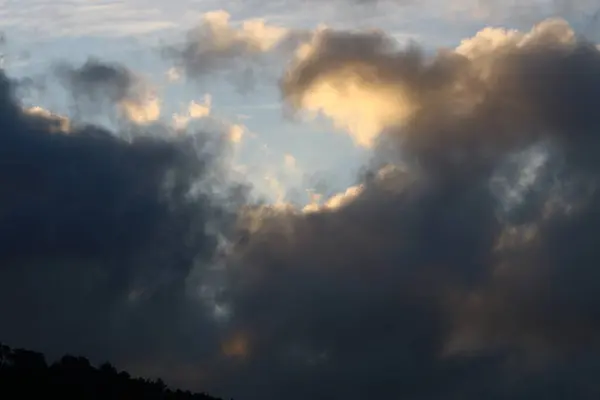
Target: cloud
x: 462, y: 264
x: 331, y: 74
x: 103, y: 85
x: 334, y: 202
x: 98, y: 235
x: 173, y: 74
x: 217, y: 45
x: 200, y: 110
x: 468, y: 270
x: 289, y: 161
x: 365, y: 85
x: 277, y: 180
x: 236, y: 133
x: 142, y: 112
x: 85, y: 18
x: 62, y: 123
x: 530, y: 9
x: 231, y: 132
x: 194, y: 111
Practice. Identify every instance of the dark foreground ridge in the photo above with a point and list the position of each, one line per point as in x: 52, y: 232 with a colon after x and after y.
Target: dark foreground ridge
x: 25, y: 372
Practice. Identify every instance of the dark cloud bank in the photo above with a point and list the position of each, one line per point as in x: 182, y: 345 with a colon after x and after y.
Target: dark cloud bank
x: 471, y: 272
x: 98, y: 235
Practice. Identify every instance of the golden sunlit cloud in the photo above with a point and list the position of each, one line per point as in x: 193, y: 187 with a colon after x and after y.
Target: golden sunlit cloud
x: 255, y: 33
x: 141, y: 111
x: 334, y: 202
x: 365, y: 85
x: 194, y: 111
x: 62, y: 123
x: 199, y: 110
x: 346, y: 90
x: 289, y: 161
x: 236, y: 133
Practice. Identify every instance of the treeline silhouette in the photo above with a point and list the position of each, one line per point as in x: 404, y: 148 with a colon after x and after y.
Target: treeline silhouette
x: 25, y: 373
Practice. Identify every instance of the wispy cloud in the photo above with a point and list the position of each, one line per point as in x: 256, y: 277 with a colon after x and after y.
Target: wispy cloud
x: 82, y: 17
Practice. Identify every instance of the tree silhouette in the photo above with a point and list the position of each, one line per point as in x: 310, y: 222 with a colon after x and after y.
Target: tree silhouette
x: 25, y: 373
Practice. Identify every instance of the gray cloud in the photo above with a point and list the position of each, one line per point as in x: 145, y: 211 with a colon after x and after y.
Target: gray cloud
x: 469, y: 272
x: 98, y: 79
x: 98, y: 236
x: 99, y: 87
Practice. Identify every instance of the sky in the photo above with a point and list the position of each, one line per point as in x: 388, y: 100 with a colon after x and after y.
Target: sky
x: 306, y: 199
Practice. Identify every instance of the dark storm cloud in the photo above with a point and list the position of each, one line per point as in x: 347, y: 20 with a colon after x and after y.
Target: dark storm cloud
x: 468, y: 273
x: 98, y: 236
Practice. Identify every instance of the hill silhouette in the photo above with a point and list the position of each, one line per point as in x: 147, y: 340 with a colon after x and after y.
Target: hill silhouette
x: 25, y: 373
